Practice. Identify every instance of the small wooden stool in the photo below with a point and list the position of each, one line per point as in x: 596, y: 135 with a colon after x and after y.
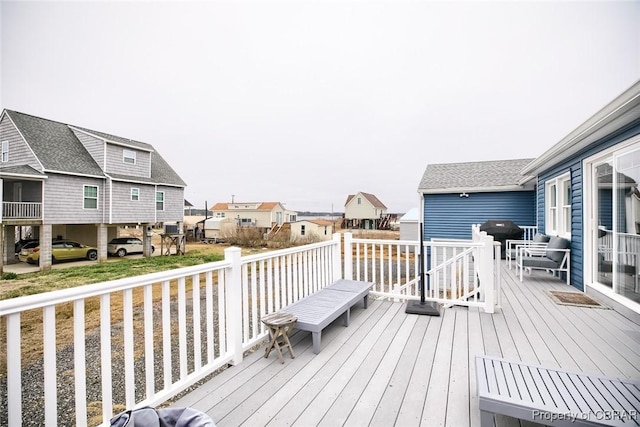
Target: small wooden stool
x: 280, y: 325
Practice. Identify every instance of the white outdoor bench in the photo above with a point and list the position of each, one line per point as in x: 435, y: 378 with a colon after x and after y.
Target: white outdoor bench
x: 318, y: 310
x: 553, y: 396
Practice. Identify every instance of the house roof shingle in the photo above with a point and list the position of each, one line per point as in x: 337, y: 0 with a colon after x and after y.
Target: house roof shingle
x: 260, y: 206
x: 54, y: 145
x: 370, y: 197
x: 58, y: 150
x: 475, y: 176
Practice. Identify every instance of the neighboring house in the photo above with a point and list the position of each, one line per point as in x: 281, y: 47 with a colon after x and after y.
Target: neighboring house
x: 80, y: 184
x: 315, y: 229
x: 588, y: 191
x: 457, y: 195
x: 265, y: 216
x: 410, y: 225
x: 364, y: 210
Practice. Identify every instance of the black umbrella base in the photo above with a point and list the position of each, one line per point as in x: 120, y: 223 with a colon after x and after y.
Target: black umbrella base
x: 424, y: 308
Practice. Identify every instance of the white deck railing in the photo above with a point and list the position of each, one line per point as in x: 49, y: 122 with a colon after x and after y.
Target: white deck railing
x: 21, y: 210
x: 138, y: 341
x: 454, y: 269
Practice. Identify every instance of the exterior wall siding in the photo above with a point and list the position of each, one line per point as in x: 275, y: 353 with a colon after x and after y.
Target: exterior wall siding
x: 451, y: 216
x: 173, y: 204
x: 574, y: 164
x: 115, y: 163
x: 64, y: 197
x: 94, y: 146
x: 125, y: 210
x: 19, y: 152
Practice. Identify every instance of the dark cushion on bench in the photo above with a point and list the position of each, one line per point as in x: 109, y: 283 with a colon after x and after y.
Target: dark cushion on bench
x: 557, y: 243
x: 538, y: 262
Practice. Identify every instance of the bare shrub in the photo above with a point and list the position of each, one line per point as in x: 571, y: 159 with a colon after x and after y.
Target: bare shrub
x: 246, y: 237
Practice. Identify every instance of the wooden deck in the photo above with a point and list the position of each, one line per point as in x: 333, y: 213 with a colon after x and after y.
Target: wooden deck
x: 390, y: 368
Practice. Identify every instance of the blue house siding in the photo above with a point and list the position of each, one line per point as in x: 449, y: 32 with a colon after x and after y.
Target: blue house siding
x: 574, y: 164
x: 451, y: 216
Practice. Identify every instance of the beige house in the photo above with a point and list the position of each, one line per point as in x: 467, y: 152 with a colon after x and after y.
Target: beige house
x: 321, y: 229
x: 265, y: 216
x: 364, y: 210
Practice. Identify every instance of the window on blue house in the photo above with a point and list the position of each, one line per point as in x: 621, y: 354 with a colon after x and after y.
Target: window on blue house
x: 558, y: 206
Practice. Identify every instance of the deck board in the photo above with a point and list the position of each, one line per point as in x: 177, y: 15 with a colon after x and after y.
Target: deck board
x: 389, y: 368
x: 388, y: 409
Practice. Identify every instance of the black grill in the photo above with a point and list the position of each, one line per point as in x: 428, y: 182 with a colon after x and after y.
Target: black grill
x: 502, y: 230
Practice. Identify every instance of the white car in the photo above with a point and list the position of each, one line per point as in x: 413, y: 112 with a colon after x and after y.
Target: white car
x: 122, y: 246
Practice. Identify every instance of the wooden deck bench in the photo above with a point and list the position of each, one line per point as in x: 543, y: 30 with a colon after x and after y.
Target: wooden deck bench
x: 553, y: 396
x: 318, y: 310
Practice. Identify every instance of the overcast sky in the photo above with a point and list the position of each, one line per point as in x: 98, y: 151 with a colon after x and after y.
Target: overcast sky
x: 305, y: 102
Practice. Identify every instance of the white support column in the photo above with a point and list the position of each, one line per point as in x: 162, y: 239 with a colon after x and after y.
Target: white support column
x: 487, y: 279
x: 233, y: 285
x: 348, y: 256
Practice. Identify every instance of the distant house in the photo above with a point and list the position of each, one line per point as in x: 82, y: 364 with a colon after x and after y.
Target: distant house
x: 588, y: 190
x: 457, y: 195
x: 265, y: 216
x: 81, y: 184
x: 319, y: 229
x: 364, y: 210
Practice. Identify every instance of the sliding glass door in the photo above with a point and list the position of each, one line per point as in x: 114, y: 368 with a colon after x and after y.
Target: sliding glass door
x: 615, y: 221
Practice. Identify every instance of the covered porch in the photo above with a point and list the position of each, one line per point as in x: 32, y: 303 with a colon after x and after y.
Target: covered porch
x: 391, y: 368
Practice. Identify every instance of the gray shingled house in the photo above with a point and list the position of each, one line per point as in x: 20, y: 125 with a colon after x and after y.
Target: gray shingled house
x: 365, y: 210
x: 80, y: 184
x: 456, y: 195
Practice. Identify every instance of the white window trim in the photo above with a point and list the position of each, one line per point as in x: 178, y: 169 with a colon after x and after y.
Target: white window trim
x: 137, y: 190
x: 5, y: 152
x: 129, y: 154
x: 84, y: 197
x: 558, y: 217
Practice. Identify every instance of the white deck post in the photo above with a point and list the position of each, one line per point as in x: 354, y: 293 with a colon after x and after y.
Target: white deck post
x: 487, y: 279
x: 348, y: 256
x: 234, y: 303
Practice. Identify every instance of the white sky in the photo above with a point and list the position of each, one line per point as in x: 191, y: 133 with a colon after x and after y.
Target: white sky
x: 305, y: 102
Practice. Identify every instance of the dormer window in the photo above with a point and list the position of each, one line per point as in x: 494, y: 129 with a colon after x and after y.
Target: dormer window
x: 129, y: 157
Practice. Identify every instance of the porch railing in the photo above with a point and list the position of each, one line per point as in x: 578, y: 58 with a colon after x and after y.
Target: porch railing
x: 456, y: 271
x: 21, y: 210
x: 141, y: 340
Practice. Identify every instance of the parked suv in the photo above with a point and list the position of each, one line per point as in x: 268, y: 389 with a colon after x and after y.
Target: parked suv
x: 122, y: 246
